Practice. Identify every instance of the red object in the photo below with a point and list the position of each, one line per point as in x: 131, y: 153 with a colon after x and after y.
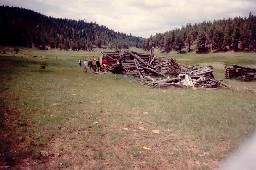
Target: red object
x: 104, y: 61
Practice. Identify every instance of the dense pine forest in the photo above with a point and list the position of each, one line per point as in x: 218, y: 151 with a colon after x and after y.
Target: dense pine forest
x: 22, y: 27
x: 238, y: 34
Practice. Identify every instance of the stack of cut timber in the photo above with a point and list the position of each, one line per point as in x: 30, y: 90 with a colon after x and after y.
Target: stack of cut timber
x: 159, y: 71
x: 241, y: 73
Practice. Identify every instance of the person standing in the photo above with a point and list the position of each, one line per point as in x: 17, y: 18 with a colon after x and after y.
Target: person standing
x: 104, y: 64
x: 80, y: 62
x: 94, y: 65
x: 89, y: 63
x: 98, y: 65
x: 85, y: 65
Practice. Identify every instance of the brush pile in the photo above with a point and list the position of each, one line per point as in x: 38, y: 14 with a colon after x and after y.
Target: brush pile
x: 160, y: 72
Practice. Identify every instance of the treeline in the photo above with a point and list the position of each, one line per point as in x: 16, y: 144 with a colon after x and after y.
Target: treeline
x: 238, y: 34
x: 22, y: 27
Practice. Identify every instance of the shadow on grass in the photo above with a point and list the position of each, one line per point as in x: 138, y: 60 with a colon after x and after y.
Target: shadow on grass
x: 12, y: 61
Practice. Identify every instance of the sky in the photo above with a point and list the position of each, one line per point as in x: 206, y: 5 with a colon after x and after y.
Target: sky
x: 139, y: 17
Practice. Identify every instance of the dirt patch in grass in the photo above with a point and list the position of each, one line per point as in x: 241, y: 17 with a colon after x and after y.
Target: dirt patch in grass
x: 136, y: 149
x: 13, y: 140
x: 136, y: 144
x: 15, y: 144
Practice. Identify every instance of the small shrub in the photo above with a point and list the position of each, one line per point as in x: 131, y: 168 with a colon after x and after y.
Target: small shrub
x: 43, y: 65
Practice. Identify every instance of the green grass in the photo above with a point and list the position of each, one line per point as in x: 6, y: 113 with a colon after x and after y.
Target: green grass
x: 94, y: 120
x: 228, y: 58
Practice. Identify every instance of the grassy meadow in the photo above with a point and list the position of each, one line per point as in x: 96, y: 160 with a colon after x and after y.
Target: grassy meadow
x: 63, y: 118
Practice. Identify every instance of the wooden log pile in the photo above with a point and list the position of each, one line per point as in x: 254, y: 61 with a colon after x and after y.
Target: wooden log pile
x: 160, y: 72
x: 241, y: 73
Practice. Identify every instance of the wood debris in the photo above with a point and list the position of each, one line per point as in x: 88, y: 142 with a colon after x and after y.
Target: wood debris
x: 241, y: 73
x: 160, y: 72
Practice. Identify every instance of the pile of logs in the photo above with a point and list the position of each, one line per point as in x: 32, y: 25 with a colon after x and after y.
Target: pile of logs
x: 160, y: 72
x: 190, y: 76
x: 241, y: 73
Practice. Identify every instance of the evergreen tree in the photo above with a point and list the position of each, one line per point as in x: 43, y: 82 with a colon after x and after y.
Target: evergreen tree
x: 227, y: 42
x: 218, y: 40
x: 219, y: 35
x: 179, y: 42
x: 235, y: 38
x: 189, y: 42
x: 167, y: 43
x: 201, y: 42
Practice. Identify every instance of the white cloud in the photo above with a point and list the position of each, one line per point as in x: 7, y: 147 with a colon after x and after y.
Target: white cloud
x: 139, y: 17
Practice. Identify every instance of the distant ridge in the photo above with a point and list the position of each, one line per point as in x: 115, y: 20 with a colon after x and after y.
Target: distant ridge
x: 23, y: 27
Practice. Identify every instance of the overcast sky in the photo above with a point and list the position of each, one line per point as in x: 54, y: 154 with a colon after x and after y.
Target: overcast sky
x: 139, y: 17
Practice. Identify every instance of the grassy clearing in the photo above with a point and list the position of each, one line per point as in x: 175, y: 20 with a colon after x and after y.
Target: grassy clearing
x: 104, y: 121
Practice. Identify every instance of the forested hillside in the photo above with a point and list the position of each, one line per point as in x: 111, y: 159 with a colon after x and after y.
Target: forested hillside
x: 28, y: 28
x: 238, y: 34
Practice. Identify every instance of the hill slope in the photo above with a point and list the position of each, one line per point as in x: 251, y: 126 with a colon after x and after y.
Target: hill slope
x: 24, y: 27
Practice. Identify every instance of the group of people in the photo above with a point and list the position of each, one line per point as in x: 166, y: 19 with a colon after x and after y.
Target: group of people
x: 94, y: 65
